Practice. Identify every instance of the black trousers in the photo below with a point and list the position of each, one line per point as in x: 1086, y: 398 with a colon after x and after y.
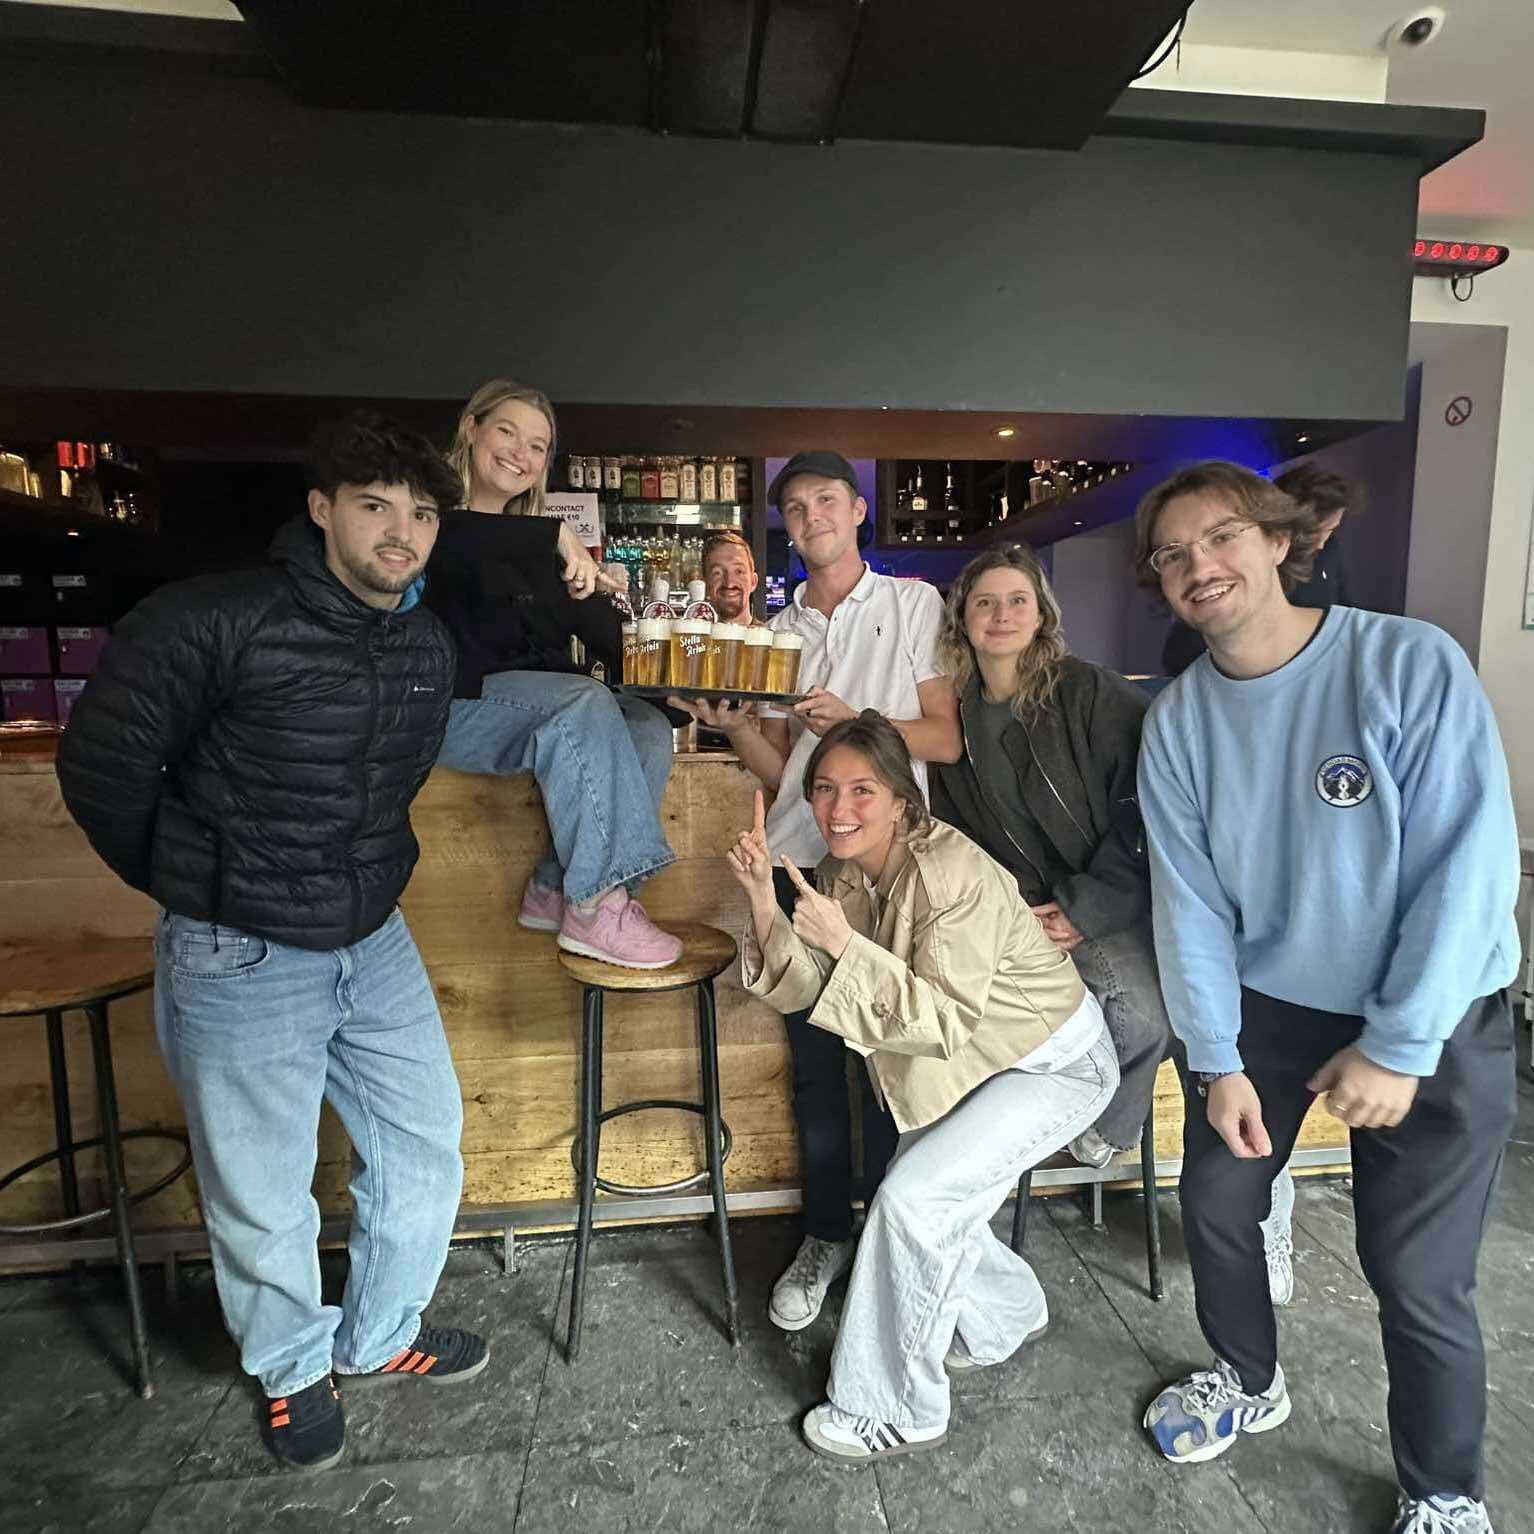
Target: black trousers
x: 1421, y: 1192
x: 823, y: 1113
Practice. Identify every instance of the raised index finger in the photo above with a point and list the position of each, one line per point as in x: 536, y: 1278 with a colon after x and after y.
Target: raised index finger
x: 759, y: 822
x: 795, y: 875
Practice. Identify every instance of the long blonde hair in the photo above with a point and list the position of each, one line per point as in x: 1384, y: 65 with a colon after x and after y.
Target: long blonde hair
x: 460, y: 456
x: 1038, y: 667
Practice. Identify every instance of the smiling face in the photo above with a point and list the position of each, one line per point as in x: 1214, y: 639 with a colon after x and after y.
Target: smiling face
x: 730, y: 577
x: 1231, y: 581
x: 377, y: 538
x: 821, y: 517
x: 856, y: 812
x: 1001, y: 614
x: 508, y: 450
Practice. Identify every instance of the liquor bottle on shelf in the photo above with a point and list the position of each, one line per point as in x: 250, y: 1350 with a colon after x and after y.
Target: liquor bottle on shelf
x: 952, y: 511
x: 708, y: 479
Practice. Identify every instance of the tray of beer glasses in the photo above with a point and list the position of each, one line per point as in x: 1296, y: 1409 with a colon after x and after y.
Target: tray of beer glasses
x: 693, y: 658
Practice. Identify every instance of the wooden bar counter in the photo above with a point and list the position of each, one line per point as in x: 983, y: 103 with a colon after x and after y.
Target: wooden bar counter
x: 512, y: 1016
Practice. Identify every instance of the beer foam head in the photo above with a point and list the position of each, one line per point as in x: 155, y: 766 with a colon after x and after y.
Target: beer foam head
x: 654, y: 628
x: 787, y: 641
x: 758, y: 636
x: 727, y: 631
x: 691, y: 626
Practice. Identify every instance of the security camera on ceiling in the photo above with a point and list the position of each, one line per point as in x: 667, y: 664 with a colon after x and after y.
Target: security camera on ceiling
x: 1417, y: 29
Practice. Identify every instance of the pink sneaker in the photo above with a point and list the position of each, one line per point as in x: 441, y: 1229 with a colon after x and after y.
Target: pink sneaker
x: 542, y: 910
x: 617, y: 931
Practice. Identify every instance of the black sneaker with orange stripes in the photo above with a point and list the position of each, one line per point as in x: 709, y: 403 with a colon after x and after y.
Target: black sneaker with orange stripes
x: 306, y: 1430
x: 440, y: 1355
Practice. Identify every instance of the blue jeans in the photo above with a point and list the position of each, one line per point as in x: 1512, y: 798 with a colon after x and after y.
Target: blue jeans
x: 256, y: 1035
x: 601, y: 763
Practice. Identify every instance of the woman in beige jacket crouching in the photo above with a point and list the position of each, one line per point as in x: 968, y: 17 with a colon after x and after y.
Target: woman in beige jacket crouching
x: 917, y: 949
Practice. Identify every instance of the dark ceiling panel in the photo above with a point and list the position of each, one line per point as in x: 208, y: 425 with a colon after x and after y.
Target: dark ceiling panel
x: 1018, y: 72
x: 570, y: 61
x: 807, y: 51
x: 706, y: 53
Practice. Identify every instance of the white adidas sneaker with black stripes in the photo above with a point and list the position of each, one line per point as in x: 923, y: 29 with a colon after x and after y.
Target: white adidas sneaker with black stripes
x: 839, y: 1435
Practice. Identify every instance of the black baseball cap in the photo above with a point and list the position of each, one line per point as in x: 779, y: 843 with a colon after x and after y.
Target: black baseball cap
x: 827, y: 465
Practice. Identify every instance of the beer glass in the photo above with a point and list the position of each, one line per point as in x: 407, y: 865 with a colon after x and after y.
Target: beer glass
x: 783, y: 667
x: 654, y: 641
x: 630, y: 671
x: 689, y: 653
x: 755, y: 652
x: 726, y: 642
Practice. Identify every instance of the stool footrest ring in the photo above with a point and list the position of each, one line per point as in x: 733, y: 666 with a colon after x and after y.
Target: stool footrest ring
x: 655, y: 1189
x: 91, y: 1215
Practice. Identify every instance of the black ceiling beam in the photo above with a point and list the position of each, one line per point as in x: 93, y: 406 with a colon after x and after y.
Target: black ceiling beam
x: 1430, y: 135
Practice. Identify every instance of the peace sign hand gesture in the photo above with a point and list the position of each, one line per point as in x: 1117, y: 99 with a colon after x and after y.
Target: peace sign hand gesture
x: 818, y: 920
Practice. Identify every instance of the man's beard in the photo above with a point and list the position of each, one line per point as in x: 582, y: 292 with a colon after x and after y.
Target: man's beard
x: 376, y: 578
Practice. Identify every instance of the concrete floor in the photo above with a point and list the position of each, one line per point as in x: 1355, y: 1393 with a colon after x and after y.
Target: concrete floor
x: 659, y: 1426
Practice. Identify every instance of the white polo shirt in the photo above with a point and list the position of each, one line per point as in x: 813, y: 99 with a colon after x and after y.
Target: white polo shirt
x: 876, y: 648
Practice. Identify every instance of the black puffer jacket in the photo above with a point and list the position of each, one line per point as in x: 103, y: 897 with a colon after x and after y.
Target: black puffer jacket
x: 248, y: 748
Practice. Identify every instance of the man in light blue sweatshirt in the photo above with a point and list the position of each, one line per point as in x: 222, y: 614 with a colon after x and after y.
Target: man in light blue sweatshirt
x: 1334, y: 864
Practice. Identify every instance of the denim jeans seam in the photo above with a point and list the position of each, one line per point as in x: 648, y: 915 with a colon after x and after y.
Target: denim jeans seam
x: 377, y: 1162
x: 293, y: 1390
x: 640, y: 871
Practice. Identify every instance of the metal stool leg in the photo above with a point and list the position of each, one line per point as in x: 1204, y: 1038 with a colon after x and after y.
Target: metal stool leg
x: 708, y: 1054
x: 1020, y: 1211
x: 111, y: 1133
x: 591, y: 1133
x: 1152, y: 1208
x: 63, y: 1124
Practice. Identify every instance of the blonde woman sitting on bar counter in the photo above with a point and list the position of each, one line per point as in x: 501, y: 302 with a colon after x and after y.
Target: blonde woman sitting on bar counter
x: 916, y: 948
x: 513, y: 585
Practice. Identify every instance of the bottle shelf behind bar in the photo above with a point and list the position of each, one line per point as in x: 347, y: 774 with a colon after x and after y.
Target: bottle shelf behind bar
x: 950, y: 503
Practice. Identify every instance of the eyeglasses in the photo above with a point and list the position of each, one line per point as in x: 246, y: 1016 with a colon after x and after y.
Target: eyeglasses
x: 1172, y: 557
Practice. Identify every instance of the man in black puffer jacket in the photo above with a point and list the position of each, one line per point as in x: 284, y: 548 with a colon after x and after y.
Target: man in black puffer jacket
x: 247, y: 754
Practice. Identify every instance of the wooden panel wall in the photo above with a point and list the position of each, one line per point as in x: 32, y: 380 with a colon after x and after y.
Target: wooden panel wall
x: 511, y: 1015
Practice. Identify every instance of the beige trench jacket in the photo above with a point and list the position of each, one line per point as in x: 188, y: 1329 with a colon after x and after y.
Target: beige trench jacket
x: 957, y: 982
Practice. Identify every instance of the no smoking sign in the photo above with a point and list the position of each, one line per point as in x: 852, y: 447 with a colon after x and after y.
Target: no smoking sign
x: 1458, y: 410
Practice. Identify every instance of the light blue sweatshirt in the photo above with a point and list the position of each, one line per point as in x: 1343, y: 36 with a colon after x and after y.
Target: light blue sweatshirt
x: 1338, y: 834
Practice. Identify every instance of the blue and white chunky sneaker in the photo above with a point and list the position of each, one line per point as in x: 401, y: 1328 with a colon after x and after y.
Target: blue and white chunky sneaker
x: 1441, y: 1515
x: 1201, y: 1416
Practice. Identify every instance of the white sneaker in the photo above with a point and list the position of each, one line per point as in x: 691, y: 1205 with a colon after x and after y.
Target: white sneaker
x: 1090, y: 1149
x: 1441, y: 1515
x: 837, y: 1434
x: 801, y: 1291
x: 1278, y: 1239
x: 959, y: 1359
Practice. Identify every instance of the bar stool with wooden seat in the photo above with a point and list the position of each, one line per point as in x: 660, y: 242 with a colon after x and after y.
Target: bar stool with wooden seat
x: 706, y: 952
x: 47, y: 980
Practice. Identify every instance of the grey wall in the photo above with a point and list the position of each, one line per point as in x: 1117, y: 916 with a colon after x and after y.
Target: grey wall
x: 190, y: 232
x: 1456, y: 466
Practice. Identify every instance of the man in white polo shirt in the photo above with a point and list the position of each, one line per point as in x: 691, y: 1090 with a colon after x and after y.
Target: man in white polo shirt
x: 869, y: 642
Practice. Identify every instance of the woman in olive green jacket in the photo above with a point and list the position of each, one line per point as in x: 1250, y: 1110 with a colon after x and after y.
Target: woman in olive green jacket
x: 916, y: 948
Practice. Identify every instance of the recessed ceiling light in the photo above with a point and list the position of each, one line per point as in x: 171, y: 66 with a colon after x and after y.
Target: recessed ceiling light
x: 1303, y: 437
x: 72, y: 533
x: 1006, y: 431
x: 1078, y: 524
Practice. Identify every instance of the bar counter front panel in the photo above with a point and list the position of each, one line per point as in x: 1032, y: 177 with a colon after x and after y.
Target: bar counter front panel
x: 511, y: 1014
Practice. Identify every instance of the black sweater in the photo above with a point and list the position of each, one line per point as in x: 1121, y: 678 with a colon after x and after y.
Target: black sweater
x: 494, y: 580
